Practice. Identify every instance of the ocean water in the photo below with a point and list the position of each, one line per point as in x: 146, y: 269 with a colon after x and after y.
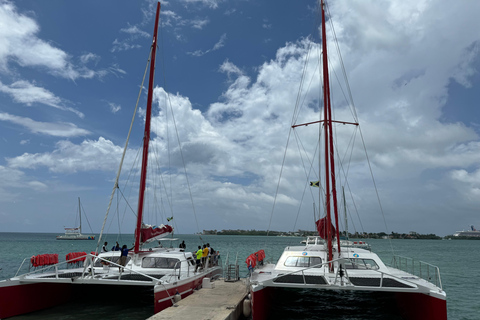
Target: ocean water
x: 458, y: 260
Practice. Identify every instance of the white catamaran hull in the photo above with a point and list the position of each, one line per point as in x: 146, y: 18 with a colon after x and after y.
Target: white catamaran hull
x: 355, y: 270
x: 44, y: 289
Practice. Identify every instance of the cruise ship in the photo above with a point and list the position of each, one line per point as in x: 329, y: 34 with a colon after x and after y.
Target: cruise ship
x: 469, y: 233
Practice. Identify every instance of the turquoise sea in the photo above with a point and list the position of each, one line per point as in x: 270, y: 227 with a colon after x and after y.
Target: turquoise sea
x: 458, y: 260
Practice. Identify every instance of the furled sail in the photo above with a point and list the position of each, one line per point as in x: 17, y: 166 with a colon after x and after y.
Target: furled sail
x: 149, y: 233
x: 322, y: 228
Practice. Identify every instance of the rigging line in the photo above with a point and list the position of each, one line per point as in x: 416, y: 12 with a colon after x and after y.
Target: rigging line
x: 375, y: 187
x: 345, y: 175
x: 306, y: 176
x: 86, y: 218
x: 115, y: 186
x: 178, y: 140
x: 170, y: 196
x: 361, y: 134
x: 300, y: 89
x: 165, y: 188
x: 352, y: 107
x: 126, y: 201
x: 310, y: 162
x: 183, y: 162
x: 278, y: 182
x: 304, y: 71
x: 346, y: 181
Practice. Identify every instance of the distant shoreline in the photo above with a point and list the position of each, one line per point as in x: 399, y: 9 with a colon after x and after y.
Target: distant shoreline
x: 365, y: 235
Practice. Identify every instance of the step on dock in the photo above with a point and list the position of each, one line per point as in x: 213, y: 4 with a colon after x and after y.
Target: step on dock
x: 223, y: 300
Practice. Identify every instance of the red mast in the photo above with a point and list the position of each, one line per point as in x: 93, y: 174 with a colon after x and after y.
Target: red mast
x: 146, y: 136
x: 329, y: 151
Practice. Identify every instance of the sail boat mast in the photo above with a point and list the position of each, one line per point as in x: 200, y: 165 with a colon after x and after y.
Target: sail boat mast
x: 329, y: 151
x: 80, y: 214
x: 146, y: 137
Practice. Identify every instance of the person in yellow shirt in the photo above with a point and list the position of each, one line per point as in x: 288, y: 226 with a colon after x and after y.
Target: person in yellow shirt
x: 199, y: 257
x: 204, y: 256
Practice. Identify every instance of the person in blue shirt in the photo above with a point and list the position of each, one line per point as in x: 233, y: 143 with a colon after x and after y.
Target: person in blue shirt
x: 123, y: 256
x: 116, y: 247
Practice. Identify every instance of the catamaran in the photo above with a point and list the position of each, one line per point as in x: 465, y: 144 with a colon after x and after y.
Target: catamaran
x: 167, y: 273
x: 75, y: 233
x: 324, y: 264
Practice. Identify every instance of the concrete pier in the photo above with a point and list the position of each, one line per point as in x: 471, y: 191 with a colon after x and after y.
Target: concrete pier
x: 223, y: 301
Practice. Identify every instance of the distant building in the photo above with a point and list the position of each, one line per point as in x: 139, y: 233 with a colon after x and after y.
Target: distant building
x: 209, y: 232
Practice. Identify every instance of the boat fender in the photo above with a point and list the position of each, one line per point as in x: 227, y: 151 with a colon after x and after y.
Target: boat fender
x: 177, y: 297
x: 247, y: 307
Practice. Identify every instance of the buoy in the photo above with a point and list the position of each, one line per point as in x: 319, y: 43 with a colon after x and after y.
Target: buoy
x: 177, y: 298
x: 247, y: 307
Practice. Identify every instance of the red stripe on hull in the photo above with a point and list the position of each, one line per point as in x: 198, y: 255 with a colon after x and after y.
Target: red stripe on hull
x: 24, y: 298
x: 419, y: 306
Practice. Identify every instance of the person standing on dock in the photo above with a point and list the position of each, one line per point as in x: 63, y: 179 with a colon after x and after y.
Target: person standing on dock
x: 199, y: 257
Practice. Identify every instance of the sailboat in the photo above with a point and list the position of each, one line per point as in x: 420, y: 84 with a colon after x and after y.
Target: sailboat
x: 166, y: 273
x: 324, y: 266
x: 75, y: 233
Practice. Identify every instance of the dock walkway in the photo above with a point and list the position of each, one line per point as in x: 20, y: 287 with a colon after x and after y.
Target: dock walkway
x: 222, y: 302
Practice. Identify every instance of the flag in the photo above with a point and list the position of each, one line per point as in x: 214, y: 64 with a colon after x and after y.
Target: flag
x: 315, y: 184
x: 169, y: 219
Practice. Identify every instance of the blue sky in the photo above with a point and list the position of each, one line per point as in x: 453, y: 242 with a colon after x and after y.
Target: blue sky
x: 70, y: 74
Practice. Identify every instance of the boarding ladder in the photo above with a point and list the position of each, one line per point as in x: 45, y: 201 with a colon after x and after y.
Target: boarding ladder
x: 231, y: 271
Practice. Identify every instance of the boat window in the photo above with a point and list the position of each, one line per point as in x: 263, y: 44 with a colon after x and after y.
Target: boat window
x: 291, y: 262
x: 316, y: 261
x: 163, y: 263
x: 190, y: 260
x: 356, y: 263
x: 303, y: 262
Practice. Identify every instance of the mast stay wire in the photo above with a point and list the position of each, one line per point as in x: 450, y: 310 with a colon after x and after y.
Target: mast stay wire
x: 353, y: 109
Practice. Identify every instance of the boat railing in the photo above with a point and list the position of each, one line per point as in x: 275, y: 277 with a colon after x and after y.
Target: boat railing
x: 302, y: 271
x: 59, y: 266
x: 314, y: 240
x: 421, y: 269
x: 342, y: 272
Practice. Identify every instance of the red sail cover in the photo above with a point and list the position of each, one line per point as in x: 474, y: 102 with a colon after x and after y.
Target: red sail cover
x: 149, y: 233
x: 322, y: 228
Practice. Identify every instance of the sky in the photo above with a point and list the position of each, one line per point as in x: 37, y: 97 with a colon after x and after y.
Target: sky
x: 230, y: 70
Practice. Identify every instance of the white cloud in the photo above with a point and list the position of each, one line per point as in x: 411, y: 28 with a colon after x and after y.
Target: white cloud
x: 19, y: 43
x: 47, y: 128
x: 68, y: 157
x: 218, y: 45
x: 199, y: 23
x: 114, y: 108
x: 123, y: 45
x: 27, y: 93
x: 213, y: 4
x: 87, y: 57
x: 134, y: 31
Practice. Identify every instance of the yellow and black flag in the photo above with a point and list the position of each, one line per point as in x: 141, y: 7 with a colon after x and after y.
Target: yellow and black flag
x: 315, y: 184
